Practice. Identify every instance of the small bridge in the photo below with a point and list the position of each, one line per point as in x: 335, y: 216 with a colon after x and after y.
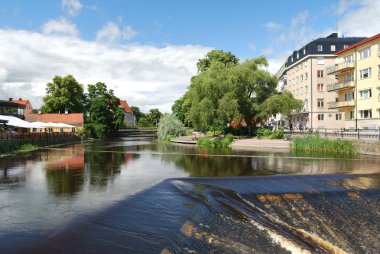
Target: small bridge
x: 135, y: 133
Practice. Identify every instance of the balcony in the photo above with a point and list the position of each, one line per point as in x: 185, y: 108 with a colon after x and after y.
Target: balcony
x: 340, y: 86
x: 340, y: 68
x: 341, y: 104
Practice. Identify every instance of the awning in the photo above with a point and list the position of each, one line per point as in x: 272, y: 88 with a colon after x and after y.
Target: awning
x: 17, y: 122
x: 53, y: 125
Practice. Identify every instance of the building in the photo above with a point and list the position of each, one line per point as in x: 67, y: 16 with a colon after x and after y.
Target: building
x: 356, y: 86
x: 75, y: 119
x: 129, y: 117
x: 19, y: 108
x: 304, y: 75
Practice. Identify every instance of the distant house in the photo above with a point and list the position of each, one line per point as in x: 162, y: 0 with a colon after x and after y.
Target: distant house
x: 75, y: 119
x: 19, y: 108
x: 129, y: 117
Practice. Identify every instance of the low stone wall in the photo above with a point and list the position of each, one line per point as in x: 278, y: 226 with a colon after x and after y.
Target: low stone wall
x: 370, y: 147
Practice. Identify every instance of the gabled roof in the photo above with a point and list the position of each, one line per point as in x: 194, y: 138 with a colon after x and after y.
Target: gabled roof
x: 21, y: 102
x: 76, y: 118
x: 358, y: 44
x: 126, y: 107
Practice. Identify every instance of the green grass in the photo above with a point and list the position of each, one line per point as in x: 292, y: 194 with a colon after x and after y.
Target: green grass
x: 315, y: 144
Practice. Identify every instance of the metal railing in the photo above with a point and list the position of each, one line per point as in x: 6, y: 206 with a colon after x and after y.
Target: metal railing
x: 340, y: 104
x: 373, y: 134
x: 339, y: 67
x: 338, y: 86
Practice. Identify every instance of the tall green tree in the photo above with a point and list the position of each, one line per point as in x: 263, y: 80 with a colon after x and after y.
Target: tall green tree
x: 224, y: 92
x: 103, y: 111
x: 150, y: 119
x: 282, y: 103
x: 63, y: 93
x: 226, y: 58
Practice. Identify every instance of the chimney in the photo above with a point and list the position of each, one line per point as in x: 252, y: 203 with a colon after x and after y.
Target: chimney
x: 10, y: 99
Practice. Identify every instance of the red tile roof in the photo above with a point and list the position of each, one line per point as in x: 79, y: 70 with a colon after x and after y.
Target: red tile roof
x: 358, y: 44
x: 22, y: 102
x: 126, y: 107
x: 73, y: 119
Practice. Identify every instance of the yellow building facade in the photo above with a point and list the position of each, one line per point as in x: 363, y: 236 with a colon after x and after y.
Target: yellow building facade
x: 357, y: 84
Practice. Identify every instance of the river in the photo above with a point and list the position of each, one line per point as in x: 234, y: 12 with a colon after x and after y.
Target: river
x: 134, y: 195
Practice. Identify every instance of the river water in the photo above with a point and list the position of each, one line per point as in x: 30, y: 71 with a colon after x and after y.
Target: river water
x: 133, y: 195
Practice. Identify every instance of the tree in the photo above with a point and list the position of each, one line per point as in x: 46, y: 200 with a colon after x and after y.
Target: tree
x: 103, y: 111
x: 226, y: 58
x: 170, y: 126
x: 225, y: 92
x: 282, y: 103
x: 63, y: 94
x: 137, y: 112
x: 151, y: 119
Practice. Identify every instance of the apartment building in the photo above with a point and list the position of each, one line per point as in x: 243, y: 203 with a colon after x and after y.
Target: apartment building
x: 357, y: 84
x: 305, y: 77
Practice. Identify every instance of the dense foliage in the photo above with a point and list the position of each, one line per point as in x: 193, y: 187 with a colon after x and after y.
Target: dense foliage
x: 169, y: 126
x: 63, y: 93
x: 103, y: 111
x: 151, y: 119
x: 225, y: 90
x: 216, y: 142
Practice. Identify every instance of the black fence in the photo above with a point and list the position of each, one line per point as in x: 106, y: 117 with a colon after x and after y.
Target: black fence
x: 339, y: 133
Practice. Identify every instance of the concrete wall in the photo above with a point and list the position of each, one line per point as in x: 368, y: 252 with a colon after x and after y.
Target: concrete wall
x: 370, y: 147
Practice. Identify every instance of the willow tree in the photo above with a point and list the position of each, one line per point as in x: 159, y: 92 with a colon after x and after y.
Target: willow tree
x: 224, y: 92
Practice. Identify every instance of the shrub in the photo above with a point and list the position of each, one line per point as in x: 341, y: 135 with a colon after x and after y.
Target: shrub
x: 277, y: 134
x: 170, y: 126
x: 215, y: 142
x: 264, y: 132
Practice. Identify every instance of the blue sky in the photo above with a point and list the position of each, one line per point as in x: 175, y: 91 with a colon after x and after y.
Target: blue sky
x: 146, y: 50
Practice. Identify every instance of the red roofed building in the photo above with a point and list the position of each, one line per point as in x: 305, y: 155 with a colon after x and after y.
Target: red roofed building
x: 75, y: 119
x: 19, y: 108
x: 129, y: 117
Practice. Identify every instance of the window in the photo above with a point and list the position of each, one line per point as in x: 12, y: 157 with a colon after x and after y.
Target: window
x: 319, y: 87
x: 345, y: 46
x: 333, y: 48
x: 349, y: 58
x: 298, y: 55
x: 366, y: 113
x: 321, y: 117
x: 320, y: 48
x: 320, y: 60
x: 365, y: 94
x: 365, y: 73
x: 349, y: 96
x: 304, y: 51
x: 365, y: 53
x: 348, y: 77
x: 305, y: 63
x: 291, y: 59
x: 301, y: 78
x: 306, y: 73
x: 320, y: 103
x: 378, y: 70
x: 319, y: 73
x: 338, y: 117
x: 352, y: 115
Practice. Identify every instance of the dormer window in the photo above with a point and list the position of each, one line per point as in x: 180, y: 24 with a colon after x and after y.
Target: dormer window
x: 320, y: 48
x: 298, y: 55
x: 304, y: 51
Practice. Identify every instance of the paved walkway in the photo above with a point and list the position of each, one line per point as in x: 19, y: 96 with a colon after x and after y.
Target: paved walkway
x: 261, y: 143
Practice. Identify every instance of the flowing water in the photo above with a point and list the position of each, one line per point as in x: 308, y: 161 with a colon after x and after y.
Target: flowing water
x: 133, y: 195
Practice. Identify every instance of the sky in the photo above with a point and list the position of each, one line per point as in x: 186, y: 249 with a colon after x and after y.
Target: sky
x: 147, y: 50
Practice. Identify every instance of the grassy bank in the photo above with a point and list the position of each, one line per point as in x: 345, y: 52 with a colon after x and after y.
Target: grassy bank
x: 215, y: 142
x: 315, y: 144
x: 10, y: 147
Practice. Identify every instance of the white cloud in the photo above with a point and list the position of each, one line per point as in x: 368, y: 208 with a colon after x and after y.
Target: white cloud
x: 72, y: 7
x: 60, y: 27
x: 267, y: 51
x: 272, y: 26
x: 111, y: 33
x: 146, y: 76
x: 361, y: 19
